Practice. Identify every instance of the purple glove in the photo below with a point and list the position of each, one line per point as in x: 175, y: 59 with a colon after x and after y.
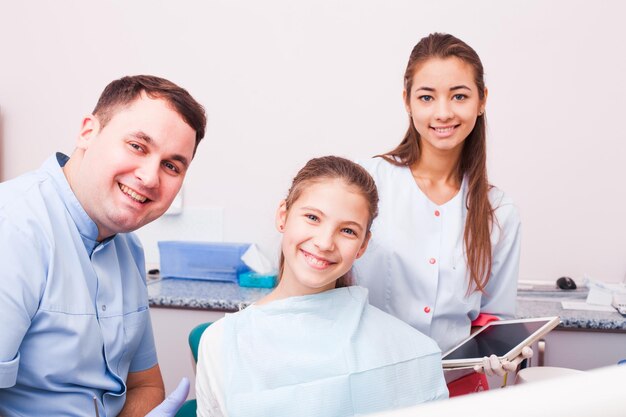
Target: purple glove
x: 170, y: 406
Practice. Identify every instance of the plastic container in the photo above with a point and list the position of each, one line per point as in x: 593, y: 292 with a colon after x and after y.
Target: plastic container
x: 202, y: 260
x: 256, y: 280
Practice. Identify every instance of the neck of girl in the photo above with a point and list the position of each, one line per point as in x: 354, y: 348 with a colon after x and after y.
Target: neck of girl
x: 286, y: 289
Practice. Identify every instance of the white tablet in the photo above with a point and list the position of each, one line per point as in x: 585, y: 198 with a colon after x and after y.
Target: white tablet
x: 504, y: 338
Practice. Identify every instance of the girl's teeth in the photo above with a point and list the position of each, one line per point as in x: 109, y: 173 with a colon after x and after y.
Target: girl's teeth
x: 315, y: 261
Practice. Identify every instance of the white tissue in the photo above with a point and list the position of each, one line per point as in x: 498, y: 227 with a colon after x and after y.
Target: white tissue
x: 601, y: 293
x: 257, y: 261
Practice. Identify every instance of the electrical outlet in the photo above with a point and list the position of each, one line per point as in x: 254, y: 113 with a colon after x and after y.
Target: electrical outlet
x: 177, y: 205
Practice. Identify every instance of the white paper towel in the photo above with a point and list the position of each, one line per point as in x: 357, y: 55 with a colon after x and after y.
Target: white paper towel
x: 257, y: 261
x: 601, y: 293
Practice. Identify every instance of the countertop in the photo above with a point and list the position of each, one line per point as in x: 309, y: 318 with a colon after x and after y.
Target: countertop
x: 548, y: 303
x: 201, y: 295
x: 224, y: 296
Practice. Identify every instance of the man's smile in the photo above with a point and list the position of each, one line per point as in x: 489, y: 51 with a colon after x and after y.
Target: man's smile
x: 132, y: 193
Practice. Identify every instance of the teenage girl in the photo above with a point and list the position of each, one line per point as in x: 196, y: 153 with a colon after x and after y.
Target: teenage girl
x: 314, y: 346
x: 445, y: 249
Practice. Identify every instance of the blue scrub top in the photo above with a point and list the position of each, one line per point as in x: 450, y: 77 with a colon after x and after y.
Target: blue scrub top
x: 75, y: 317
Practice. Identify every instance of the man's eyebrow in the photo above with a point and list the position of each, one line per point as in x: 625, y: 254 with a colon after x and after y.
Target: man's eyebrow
x: 181, y: 159
x: 144, y: 137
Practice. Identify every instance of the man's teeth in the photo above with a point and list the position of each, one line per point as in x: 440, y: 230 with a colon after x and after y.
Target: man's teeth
x: 137, y: 197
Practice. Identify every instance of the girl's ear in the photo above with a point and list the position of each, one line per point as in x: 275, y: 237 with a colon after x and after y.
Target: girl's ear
x: 88, y: 130
x: 364, y: 245
x: 281, y: 216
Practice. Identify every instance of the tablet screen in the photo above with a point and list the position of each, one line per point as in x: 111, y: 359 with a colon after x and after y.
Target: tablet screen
x: 495, y: 339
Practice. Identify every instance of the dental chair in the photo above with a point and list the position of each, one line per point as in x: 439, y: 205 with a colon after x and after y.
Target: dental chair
x: 188, y: 409
x: 540, y: 373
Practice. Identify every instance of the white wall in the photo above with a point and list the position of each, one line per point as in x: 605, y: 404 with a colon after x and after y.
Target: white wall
x: 285, y: 80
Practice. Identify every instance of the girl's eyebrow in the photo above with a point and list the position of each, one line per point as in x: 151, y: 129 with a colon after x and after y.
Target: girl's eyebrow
x: 309, y: 208
x: 319, y: 212
x: 354, y: 225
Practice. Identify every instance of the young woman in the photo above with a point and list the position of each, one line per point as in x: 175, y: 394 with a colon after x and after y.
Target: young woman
x: 445, y: 251
x: 314, y: 346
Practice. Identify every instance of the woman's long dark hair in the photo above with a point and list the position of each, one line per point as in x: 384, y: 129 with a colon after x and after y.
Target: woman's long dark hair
x: 473, y: 161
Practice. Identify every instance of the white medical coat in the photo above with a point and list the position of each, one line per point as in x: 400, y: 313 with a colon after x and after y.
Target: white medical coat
x: 415, y: 267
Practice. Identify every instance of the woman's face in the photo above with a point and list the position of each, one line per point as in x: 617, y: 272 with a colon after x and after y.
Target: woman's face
x: 444, y: 103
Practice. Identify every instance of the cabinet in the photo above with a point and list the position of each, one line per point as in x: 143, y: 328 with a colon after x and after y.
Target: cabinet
x: 171, y: 329
x: 582, y: 349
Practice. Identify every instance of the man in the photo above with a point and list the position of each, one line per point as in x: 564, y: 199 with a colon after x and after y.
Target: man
x: 74, y: 320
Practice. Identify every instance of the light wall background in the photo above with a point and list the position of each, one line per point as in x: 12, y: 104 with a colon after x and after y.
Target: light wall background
x: 284, y: 81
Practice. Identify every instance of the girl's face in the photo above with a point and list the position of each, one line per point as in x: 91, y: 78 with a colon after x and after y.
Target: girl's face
x: 324, y: 232
x: 444, y: 103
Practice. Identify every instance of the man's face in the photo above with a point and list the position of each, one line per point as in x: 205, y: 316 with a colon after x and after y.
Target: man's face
x: 132, y: 168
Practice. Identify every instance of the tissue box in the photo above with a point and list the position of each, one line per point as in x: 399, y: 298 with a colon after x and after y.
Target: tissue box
x: 202, y: 260
x: 254, y: 279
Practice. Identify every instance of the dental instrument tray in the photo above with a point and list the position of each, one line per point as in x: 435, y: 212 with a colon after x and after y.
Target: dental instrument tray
x: 211, y: 261
x: 504, y: 338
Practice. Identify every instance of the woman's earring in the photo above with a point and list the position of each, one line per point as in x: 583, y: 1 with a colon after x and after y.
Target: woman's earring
x: 281, y: 227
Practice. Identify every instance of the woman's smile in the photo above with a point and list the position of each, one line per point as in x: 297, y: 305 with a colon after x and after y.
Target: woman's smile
x: 444, y: 132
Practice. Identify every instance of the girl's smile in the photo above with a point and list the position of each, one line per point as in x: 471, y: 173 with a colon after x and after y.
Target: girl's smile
x: 316, y: 262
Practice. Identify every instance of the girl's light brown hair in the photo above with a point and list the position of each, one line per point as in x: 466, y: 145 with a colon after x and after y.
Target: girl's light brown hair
x: 330, y: 168
x: 473, y: 161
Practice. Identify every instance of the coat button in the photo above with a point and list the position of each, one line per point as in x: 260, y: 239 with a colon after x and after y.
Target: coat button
x: 426, y: 309
x: 432, y: 260
x: 437, y: 213
x: 104, y: 307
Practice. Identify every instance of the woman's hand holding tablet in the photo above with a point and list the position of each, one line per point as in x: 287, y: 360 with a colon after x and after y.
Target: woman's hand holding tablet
x: 492, y: 365
x: 507, y: 340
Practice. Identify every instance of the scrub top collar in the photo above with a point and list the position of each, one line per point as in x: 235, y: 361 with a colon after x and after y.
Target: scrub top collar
x: 460, y: 194
x: 86, y: 227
